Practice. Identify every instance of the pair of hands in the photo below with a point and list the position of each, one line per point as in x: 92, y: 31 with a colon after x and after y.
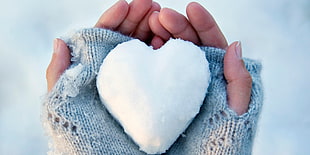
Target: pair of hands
x: 145, y: 20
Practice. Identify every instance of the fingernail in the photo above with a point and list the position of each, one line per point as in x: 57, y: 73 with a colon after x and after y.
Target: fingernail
x: 238, y: 50
x: 56, y: 45
x: 155, y: 5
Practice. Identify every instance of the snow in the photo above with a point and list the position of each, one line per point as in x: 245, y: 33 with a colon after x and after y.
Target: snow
x: 154, y: 94
x: 72, y: 89
x: 276, y: 32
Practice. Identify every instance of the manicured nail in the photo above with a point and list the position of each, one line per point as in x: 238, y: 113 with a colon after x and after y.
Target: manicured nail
x: 56, y: 45
x: 238, y: 50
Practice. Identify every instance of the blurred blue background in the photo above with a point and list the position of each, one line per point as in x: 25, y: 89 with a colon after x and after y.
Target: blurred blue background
x: 275, y: 32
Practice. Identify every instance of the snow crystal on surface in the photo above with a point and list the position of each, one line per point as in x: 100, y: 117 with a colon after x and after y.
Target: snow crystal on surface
x: 71, y: 89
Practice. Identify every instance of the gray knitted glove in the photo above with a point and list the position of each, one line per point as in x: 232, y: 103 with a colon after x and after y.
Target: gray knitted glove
x: 217, y: 129
x: 73, y: 114
x: 78, y: 123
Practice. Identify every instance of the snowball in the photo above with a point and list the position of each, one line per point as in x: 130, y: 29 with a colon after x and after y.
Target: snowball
x: 154, y: 94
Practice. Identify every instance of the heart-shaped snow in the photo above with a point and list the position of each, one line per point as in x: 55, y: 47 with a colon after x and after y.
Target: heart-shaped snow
x: 154, y: 94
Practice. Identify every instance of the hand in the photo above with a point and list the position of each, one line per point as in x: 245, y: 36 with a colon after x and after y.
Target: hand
x: 72, y: 113
x: 156, y: 28
x: 142, y: 23
x: 129, y: 19
x: 213, y: 131
x: 201, y: 29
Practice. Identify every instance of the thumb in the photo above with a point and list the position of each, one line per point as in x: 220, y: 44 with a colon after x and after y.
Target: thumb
x: 239, y: 81
x: 59, y: 63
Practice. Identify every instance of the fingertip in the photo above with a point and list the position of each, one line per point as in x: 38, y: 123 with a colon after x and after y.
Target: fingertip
x: 234, y: 52
x: 118, y: 11
x: 192, y: 5
x: 157, y: 42
x: 64, y: 55
x: 138, y: 9
x: 206, y: 27
x: 233, y: 64
x: 143, y: 30
x: 231, y: 48
x: 166, y: 14
x: 122, y: 2
x: 59, y: 63
x: 153, y: 20
x: 156, y: 6
x: 239, y: 80
x: 153, y: 16
x: 195, y: 9
x: 55, y: 45
x: 156, y: 26
x: 177, y: 25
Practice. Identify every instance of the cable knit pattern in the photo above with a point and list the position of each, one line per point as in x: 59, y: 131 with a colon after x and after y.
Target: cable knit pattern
x: 78, y: 123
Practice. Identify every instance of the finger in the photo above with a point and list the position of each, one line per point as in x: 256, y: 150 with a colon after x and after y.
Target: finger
x: 157, y: 28
x: 239, y: 81
x: 208, y: 31
x: 177, y: 25
x: 157, y: 42
x: 137, y: 10
x: 143, y: 31
x: 114, y: 16
x: 59, y: 63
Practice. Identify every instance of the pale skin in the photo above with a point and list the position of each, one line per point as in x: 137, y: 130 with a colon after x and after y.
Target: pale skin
x: 145, y: 20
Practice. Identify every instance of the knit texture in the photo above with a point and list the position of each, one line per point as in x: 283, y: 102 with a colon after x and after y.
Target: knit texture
x: 78, y: 123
